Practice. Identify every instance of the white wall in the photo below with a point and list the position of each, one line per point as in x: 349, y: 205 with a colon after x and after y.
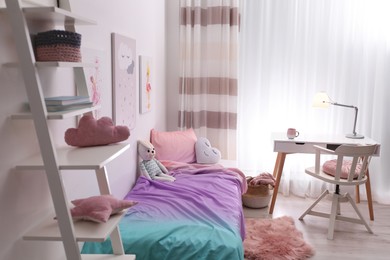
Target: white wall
x: 24, y: 196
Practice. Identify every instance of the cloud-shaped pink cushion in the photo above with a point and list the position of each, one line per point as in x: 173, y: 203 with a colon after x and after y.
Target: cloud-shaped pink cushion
x: 92, y: 132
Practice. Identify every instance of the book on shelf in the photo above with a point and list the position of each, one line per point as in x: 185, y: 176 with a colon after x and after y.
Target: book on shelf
x: 66, y: 100
x: 57, y: 108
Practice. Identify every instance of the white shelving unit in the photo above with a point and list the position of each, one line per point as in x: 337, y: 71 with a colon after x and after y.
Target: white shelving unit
x: 53, y: 159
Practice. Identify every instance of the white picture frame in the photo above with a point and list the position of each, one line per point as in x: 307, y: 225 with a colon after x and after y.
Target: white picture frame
x: 145, y: 83
x: 124, y: 80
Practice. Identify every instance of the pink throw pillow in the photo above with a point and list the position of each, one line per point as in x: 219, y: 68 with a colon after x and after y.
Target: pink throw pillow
x: 329, y: 167
x: 176, y: 146
x: 92, y: 132
x: 99, y: 208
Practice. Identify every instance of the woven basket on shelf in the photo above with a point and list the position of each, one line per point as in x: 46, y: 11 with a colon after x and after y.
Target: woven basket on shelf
x: 58, y: 45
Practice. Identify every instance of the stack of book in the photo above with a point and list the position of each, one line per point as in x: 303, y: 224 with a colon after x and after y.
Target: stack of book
x: 63, y: 103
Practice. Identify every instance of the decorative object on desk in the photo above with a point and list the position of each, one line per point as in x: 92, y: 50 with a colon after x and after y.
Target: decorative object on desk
x: 58, y: 45
x: 124, y: 80
x: 145, y: 83
x: 92, y: 132
x: 66, y: 100
x: 277, y: 238
x: 258, y: 193
x: 322, y: 99
x: 292, y: 133
x: 205, y: 153
x: 99, y: 208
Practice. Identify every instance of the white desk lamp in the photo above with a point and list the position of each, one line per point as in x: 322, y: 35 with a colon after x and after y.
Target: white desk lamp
x: 321, y: 99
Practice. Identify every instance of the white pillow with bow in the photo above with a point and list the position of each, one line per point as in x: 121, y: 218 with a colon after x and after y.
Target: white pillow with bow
x: 205, y: 153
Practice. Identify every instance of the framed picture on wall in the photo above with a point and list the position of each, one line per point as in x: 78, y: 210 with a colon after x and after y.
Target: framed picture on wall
x: 124, y: 80
x: 94, y: 77
x: 145, y: 83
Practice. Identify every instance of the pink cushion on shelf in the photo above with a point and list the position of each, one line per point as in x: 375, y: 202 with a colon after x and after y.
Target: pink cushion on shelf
x: 92, y: 132
x: 98, y: 208
x: 329, y: 167
x: 176, y: 146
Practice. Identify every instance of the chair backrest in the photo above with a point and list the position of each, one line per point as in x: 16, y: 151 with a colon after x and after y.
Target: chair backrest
x: 360, y: 156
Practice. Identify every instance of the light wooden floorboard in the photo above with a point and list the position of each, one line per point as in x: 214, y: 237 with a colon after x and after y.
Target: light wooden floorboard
x: 351, y: 241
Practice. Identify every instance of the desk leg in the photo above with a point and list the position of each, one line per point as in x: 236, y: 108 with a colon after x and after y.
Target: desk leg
x: 357, y: 194
x: 369, y: 197
x: 279, y: 164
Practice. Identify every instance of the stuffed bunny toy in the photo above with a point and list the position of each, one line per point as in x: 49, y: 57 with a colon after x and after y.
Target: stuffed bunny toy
x: 150, y: 167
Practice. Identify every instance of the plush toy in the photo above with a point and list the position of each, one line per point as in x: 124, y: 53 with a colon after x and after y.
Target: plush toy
x: 149, y: 166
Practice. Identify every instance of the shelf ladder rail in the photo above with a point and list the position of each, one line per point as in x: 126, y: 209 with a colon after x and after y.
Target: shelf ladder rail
x: 39, y: 114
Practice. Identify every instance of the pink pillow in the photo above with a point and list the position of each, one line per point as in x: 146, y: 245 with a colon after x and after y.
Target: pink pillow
x: 176, y: 146
x: 92, y: 132
x: 329, y: 168
x: 98, y: 208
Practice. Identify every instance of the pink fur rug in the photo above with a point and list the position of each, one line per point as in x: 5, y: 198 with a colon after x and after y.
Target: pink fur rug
x: 275, y: 239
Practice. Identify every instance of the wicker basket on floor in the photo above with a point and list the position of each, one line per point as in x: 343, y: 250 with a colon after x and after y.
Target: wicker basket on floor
x: 257, y: 196
x: 58, y: 45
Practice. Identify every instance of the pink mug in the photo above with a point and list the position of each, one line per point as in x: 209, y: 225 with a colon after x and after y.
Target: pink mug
x: 292, y: 133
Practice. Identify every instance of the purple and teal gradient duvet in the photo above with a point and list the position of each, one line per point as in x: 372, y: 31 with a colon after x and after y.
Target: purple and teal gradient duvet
x: 199, y: 216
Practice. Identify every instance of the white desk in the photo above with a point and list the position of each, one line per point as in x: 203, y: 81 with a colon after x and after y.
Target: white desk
x: 304, y: 144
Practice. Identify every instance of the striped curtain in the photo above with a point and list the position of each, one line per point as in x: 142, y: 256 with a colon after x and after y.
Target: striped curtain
x: 208, y: 77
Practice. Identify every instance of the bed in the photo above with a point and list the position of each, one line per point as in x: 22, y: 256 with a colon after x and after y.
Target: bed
x: 199, y: 216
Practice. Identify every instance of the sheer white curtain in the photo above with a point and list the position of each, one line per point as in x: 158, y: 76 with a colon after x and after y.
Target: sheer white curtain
x: 289, y: 50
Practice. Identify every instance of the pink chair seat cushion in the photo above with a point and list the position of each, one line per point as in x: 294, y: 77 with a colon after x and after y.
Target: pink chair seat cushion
x: 329, y: 167
x: 92, y: 132
x: 99, y: 208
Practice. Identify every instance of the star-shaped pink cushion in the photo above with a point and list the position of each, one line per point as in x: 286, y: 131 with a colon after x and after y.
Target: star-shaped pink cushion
x: 92, y: 132
x: 99, y: 208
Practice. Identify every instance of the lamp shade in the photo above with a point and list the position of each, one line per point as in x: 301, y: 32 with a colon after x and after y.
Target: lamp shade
x: 321, y: 99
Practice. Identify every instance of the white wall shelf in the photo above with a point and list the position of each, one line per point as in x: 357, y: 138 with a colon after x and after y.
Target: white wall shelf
x: 51, y: 14
x: 56, y: 15
x: 58, y: 115
x: 48, y: 230
x: 63, y: 64
x: 72, y: 158
x: 58, y: 64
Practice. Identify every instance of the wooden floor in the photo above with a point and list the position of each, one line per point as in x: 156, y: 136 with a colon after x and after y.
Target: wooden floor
x: 351, y: 241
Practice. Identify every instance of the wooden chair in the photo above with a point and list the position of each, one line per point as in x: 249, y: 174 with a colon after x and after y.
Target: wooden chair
x: 346, y: 172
